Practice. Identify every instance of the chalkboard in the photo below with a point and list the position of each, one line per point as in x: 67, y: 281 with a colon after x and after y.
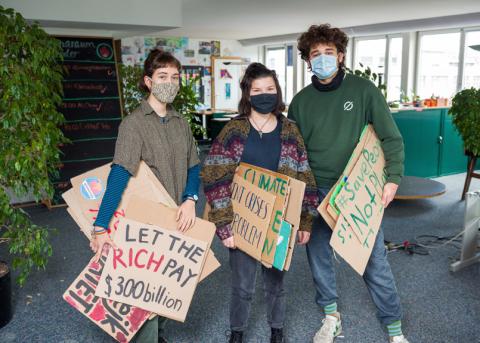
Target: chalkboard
x: 91, y: 106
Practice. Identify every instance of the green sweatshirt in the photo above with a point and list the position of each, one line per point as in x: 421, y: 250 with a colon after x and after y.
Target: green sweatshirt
x: 331, y: 123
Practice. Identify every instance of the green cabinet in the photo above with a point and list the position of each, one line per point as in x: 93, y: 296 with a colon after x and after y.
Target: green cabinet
x: 452, y: 158
x: 433, y: 146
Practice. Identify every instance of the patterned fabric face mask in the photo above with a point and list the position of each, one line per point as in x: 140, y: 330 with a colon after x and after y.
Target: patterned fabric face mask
x: 165, y: 92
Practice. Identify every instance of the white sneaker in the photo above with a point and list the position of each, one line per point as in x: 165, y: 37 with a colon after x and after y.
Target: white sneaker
x: 398, y: 339
x: 331, y: 328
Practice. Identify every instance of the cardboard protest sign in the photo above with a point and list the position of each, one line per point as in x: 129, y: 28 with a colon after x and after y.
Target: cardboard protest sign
x: 276, y: 184
x: 359, y: 203
x: 344, y: 242
x: 153, y: 268
x: 353, y: 206
x: 327, y: 206
x: 293, y: 213
x: 121, y: 321
x: 76, y: 214
x: 289, y: 194
x: 149, y: 212
x: 252, y: 211
x: 89, y: 188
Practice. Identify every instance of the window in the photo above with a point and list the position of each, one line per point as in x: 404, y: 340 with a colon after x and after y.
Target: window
x: 471, y: 66
x: 438, y: 62
x: 289, y: 76
x: 275, y: 60
x: 394, y: 79
x: 307, y: 79
x: 371, y: 53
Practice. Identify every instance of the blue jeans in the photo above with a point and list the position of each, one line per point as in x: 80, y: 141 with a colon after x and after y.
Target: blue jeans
x: 378, y: 275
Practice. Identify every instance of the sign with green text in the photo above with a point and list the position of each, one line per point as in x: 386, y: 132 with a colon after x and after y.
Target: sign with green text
x: 353, y: 207
x: 252, y: 210
x: 288, y: 193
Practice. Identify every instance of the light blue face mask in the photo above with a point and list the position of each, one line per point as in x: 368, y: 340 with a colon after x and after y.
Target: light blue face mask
x: 324, y: 66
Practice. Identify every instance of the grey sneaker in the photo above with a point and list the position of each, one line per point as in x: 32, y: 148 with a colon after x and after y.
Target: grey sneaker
x: 398, y: 339
x: 331, y: 328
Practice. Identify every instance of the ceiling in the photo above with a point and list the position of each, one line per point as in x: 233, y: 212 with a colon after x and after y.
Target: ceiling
x: 245, y: 19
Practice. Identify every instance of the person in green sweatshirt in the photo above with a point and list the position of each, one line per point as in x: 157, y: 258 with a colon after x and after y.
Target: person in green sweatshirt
x: 331, y: 113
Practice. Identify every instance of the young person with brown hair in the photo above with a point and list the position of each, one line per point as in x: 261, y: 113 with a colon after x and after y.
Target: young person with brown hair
x: 162, y: 138
x: 261, y: 136
x: 331, y: 113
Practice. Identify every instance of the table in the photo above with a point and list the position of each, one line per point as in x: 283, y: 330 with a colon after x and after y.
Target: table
x: 413, y: 187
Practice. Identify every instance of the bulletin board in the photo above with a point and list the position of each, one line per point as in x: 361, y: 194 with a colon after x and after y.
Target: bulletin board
x: 226, y: 78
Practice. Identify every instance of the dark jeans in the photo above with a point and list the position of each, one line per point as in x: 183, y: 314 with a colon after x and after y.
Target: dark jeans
x: 244, y: 270
x: 378, y: 275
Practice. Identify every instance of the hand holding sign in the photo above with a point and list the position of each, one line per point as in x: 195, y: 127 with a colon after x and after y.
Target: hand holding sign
x: 99, y: 242
x: 186, y: 215
x: 229, y: 243
x: 389, y: 191
x: 303, y: 237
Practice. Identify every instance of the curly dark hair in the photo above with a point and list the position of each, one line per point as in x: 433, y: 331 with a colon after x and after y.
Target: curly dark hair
x: 321, y: 34
x: 257, y: 71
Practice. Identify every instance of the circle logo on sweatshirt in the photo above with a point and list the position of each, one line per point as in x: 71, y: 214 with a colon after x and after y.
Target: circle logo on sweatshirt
x: 348, y: 105
x: 91, y: 188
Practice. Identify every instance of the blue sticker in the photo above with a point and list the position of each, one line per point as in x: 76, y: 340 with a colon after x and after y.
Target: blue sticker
x: 92, y: 188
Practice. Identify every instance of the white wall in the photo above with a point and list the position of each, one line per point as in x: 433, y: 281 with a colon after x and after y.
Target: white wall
x: 113, y: 13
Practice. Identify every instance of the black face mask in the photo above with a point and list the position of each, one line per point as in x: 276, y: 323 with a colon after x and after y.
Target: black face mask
x: 264, y: 103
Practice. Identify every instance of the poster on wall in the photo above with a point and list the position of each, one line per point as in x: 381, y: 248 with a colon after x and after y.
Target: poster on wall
x: 204, y: 48
x: 215, y: 48
x: 134, y: 51
x: 188, y: 51
x: 226, y: 75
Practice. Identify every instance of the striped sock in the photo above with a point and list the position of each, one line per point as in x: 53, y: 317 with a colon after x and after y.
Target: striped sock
x: 330, y: 309
x: 395, y: 329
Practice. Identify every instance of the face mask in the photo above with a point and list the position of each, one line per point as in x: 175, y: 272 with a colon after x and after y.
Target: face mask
x: 165, y: 91
x: 324, y: 66
x: 264, y: 103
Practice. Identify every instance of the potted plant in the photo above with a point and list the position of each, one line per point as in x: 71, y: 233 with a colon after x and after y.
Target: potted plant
x: 185, y: 102
x: 30, y: 91
x: 367, y: 73
x: 465, y: 112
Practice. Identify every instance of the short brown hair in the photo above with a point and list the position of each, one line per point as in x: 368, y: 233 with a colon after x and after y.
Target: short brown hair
x: 321, y: 34
x: 157, y: 59
x: 257, y: 71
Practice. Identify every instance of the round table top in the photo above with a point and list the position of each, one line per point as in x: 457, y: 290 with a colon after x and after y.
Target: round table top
x: 413, y: 187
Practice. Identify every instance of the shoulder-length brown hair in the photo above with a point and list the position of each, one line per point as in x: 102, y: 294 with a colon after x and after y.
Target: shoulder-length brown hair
x: 257, y: 71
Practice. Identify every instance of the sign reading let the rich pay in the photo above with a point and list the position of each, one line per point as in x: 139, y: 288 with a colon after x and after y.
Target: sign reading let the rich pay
x: 153, y: 268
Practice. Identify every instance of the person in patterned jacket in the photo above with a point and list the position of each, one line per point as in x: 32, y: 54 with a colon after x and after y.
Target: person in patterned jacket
x: 262, y: 136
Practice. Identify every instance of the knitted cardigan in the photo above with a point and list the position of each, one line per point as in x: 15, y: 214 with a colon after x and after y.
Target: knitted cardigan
x: 224, y: 157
